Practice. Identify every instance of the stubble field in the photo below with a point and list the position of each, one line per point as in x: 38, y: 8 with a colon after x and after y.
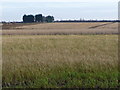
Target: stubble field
x: 60, y: 28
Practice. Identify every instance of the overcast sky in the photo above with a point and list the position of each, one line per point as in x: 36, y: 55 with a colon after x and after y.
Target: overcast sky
x: 13, y: 10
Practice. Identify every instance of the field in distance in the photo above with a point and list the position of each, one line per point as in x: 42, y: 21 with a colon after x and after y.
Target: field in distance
x: 60, y: 28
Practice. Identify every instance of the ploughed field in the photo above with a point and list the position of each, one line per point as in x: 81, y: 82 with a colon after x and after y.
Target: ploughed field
x: 60, y: 28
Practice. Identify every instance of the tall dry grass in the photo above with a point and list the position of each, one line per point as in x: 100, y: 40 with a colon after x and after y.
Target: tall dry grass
x: 48, y: 58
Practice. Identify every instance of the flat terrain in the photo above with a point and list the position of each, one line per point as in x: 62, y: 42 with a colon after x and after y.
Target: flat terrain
x: 60, y: 28
x: 55, y: 55
x: 60, y: 61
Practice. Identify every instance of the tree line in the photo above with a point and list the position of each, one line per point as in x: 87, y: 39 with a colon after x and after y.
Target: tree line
x: 87, y: 21
x: 37, y: 18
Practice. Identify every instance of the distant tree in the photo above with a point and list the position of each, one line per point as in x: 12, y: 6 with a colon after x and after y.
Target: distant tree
x: 39, y: 18
x: 49, y: 19
x: 28, y: 18
x: 25, y: 18
x: 44, y: 19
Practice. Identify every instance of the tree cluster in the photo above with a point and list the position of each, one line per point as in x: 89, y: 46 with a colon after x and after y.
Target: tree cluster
x: 37, y: 18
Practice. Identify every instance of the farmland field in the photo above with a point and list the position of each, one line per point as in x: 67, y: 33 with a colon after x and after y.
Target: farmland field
x: 55, y: 61
x: 60, y: 28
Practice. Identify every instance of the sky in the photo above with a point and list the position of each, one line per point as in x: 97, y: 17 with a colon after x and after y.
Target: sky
x: 13, y: 10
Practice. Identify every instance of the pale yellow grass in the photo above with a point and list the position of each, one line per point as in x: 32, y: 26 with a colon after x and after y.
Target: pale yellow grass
x: 38, y: 51
x: 26, y: 58
x: 59, y: 26
x: 64, y: 28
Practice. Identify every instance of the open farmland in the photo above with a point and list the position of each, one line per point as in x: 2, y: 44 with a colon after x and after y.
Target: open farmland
x: 60, y: 61
x: 57, y: 44
x: 55, y: 55
x: 60, y: 28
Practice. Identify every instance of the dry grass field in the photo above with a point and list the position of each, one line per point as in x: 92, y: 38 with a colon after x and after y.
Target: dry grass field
x: 60, y: 28
x: 60, y: 61
x: 56, y: 55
